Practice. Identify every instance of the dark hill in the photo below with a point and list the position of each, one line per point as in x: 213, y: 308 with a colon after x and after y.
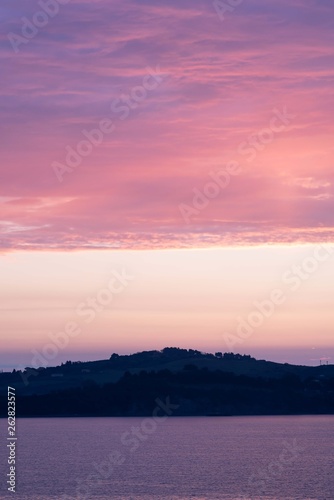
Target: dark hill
x: 200, y: 383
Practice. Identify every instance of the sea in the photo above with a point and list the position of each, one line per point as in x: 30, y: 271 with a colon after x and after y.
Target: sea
x: 171, y: 458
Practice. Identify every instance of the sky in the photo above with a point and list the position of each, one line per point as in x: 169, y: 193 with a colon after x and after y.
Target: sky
x: 190, y: 142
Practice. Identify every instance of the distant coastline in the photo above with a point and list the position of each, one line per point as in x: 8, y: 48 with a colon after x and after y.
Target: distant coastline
x: 190, y: 382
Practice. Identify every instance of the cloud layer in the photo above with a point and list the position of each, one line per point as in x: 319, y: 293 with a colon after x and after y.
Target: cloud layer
x: 184, y: 93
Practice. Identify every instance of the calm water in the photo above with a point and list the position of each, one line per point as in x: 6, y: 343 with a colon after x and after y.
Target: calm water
x: 182, y: 458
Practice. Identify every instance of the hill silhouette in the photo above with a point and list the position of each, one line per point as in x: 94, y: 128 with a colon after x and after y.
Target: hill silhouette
x: 198, y: 383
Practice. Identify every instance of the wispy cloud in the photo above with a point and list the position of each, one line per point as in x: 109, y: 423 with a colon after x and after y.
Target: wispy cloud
x: 225, y: 79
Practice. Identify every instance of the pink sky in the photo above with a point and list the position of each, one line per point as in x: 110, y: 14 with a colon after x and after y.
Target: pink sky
x: 222, y: 80
x: 255, y: 89
x: 188, y: 298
